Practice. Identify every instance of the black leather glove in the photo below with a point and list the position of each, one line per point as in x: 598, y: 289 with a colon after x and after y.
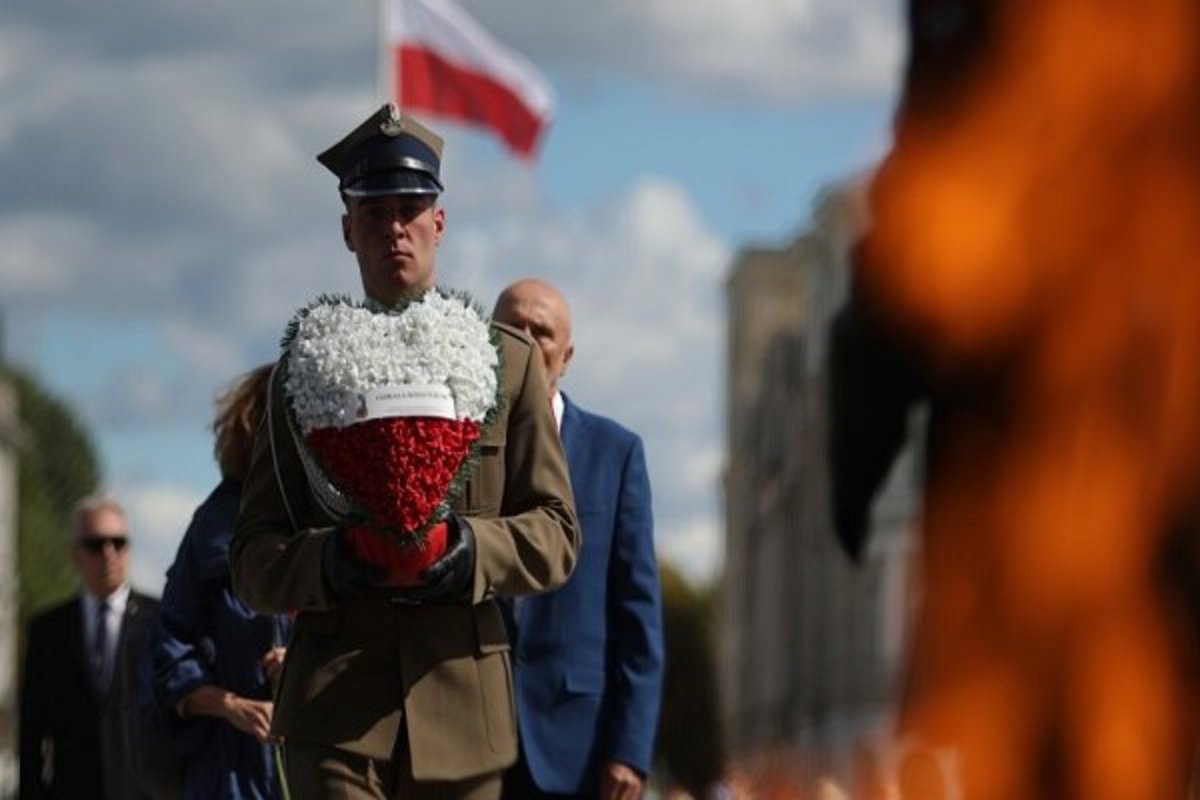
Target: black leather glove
x: 348, y: 577
x: 450, y: 577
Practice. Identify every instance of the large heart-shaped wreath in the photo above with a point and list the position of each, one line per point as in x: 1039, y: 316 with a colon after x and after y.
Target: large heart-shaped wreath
x: 387, y: 405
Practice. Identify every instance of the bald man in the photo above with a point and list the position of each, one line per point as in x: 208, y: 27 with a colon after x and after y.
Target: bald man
x: 589, y: 655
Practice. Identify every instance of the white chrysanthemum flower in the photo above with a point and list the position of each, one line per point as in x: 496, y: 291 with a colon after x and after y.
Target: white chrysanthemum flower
x: 341, y: 352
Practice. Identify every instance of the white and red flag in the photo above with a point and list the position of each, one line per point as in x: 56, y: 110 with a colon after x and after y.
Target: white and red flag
x: 444, y: 63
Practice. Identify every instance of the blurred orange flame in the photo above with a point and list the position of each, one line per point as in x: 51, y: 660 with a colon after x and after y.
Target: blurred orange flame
x: 1041, y: 225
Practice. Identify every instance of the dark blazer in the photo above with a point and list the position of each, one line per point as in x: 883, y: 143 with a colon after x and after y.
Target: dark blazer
x: 70, y: 738
x: 355, y: 673
x: 590, y: 655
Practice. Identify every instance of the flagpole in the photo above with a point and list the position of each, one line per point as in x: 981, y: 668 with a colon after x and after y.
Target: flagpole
x: 386, y: 64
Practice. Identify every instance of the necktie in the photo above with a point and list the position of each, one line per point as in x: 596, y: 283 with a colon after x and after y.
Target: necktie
x: 100, y: 647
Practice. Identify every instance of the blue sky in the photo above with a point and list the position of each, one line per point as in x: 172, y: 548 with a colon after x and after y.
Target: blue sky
x: 163, y: 214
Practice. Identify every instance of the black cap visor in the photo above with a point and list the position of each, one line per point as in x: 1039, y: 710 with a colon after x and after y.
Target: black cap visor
x: 400, y: 181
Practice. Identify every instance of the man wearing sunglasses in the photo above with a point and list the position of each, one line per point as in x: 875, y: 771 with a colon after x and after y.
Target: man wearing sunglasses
x: 74, y: 687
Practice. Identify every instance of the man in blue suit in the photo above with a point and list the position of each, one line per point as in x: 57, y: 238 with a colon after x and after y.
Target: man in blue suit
x: 589, y: 656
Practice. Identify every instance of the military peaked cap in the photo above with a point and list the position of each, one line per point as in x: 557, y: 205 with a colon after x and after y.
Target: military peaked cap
x: 389, y: 153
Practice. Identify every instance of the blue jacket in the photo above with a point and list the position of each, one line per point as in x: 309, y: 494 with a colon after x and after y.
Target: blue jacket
x: 207, y: 635
x: 589, y: 656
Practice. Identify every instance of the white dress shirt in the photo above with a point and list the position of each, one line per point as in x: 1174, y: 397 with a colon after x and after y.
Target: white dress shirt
x: 114, y: 613
x: 556, y: 403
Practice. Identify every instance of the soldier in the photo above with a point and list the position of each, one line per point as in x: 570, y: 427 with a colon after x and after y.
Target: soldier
x: 387, y: 691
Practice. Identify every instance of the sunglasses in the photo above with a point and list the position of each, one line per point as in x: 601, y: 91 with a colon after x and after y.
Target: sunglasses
x: 96, y: 544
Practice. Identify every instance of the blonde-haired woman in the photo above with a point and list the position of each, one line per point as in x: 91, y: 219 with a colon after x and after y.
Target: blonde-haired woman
x: 213, y: 657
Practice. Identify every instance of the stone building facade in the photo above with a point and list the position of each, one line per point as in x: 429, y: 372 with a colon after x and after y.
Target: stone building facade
x: 810, y: 644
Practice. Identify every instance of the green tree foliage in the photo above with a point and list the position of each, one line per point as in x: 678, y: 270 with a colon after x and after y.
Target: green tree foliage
x: 689, y: 735
x: 56, y: 465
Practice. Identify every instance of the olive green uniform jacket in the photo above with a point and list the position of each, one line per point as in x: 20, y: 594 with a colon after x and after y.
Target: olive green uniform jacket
x: 355, y: 673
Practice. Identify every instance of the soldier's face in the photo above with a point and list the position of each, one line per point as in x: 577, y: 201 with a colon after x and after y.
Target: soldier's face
x: 395, y: 239
x: 101, y: 552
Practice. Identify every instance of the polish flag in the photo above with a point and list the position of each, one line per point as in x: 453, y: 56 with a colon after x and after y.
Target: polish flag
x: 444, y: 63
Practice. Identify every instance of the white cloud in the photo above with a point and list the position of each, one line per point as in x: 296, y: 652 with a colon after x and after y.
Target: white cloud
x: 278, y: 277
x: 61, y: 258
x: 203, y: 347
x: 136, y: 393
x: 158, y: 517
x: 38, y: 253
x: 701, y: 473
x: 693, y: 546
x: 765, y: 51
